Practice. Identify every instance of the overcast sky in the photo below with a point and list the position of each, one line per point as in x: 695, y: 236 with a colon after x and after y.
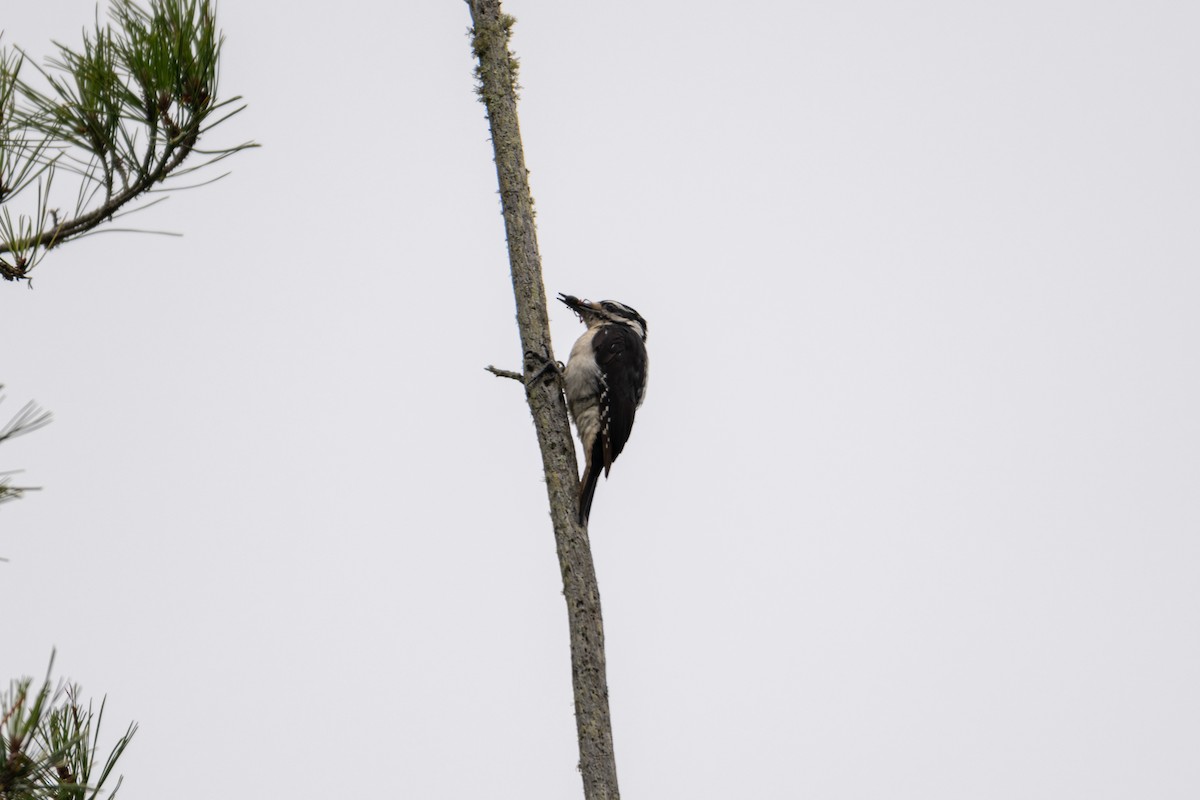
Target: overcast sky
x: 911, y: 510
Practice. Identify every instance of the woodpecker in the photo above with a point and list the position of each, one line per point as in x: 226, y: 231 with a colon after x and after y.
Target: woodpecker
x: 605, y: 381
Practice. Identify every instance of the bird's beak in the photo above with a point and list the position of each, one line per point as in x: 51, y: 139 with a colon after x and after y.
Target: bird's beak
x: 578, y: 306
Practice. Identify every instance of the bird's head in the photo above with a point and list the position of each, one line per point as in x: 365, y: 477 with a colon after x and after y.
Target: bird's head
x: 605, y: 311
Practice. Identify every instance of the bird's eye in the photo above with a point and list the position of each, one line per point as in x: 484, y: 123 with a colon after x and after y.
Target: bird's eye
x: 608, y: 306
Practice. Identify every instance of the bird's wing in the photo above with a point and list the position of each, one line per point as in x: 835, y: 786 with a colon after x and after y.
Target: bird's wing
x: 622, y: 358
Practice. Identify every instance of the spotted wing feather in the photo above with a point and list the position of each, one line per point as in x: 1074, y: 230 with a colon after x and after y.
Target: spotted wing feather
x: 621, y: 356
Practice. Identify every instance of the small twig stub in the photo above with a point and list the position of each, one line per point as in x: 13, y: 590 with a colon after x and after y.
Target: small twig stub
x: 505, y: 373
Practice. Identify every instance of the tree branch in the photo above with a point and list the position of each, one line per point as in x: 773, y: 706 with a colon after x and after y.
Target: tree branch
x: 504, y: 373
x: 497, y: 72
x: 30, y: 418
x: 122, y: 115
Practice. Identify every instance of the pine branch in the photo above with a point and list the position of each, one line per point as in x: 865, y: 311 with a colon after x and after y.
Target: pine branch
x: 30, y: 418
x: 49, y: 743
x: 120, y: 116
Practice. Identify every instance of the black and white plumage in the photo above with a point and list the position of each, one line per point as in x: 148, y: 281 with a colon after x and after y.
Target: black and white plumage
x: 605, y: 382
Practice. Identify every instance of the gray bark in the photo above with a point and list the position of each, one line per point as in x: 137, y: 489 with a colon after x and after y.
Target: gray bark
x: 497, y: 76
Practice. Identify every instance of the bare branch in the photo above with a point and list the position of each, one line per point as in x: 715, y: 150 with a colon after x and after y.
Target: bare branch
x: 503, y: 373
x: 498, y: 90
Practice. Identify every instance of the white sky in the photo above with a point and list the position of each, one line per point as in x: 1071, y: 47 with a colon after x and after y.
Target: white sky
x: 911, y: 509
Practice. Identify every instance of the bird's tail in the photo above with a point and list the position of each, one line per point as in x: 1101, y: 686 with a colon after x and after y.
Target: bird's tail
x: 587, y: 488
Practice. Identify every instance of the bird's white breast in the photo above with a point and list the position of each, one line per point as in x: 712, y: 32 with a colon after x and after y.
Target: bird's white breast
x: 583, y: 382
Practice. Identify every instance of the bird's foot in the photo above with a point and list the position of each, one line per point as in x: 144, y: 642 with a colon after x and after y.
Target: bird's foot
x: 541, y: 364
